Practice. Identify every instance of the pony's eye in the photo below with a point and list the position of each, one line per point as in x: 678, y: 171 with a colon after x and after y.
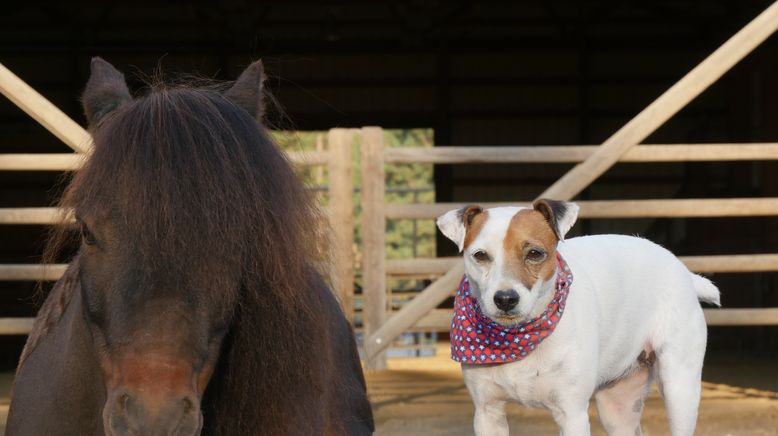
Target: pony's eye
x: 481, y: 256
x: 87, y: 236
x: 535, y: 255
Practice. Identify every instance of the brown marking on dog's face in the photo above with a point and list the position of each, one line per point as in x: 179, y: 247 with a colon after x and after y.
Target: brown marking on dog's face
x: 529, y: 233
x: 474, y: 219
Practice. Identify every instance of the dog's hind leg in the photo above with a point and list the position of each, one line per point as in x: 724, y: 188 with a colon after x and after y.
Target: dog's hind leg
x: 679, y: 373
x: 679, y: 383
x: 620, y: 405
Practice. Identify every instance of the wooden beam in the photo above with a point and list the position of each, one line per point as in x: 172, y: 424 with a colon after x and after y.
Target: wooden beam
x: 373, y: 236
x: 34, y: 272
x: 73, y: 161
x: 44, y: 112
x: 41, y: 162
x: 667, y: 105
x: 579, y: 153
x: 16, y: 326
x: 341, y: 175
x: 30, y: 215
x: 737, y: 263
x: 440, y: 319
x: 742, y: 317
x: 665, y: 208
x: 730, y: 263
x: 308, y: 158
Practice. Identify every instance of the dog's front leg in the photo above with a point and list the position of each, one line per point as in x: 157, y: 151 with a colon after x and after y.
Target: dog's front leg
x: 573, y: 420
x: 490, y: 419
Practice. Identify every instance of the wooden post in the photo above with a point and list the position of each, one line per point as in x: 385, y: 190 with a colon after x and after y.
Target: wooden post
x: 342, y: 217
x: 42, y: 111
x: 667, y: 105
x: 373, y: 237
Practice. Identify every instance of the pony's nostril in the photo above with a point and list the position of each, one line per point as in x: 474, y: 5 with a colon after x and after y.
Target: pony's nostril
x: 506, y: 299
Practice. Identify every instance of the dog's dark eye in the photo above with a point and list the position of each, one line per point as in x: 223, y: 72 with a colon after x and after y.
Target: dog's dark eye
x: 481, y: 256
x: 535, y: 255
x: 87, y: 236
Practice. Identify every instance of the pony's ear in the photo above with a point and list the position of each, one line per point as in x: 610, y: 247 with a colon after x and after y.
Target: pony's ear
x: 561, y: 215
x: 105, y: 91
x: 454, y: 223
x: 247, y: 91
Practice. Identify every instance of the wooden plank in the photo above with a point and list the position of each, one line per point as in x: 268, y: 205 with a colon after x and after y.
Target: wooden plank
x: 44, y: 112
x: 730, y: 263
x: 73, y: 161
x: 340, y: 170
x: 667, y: 105
x: 665, y: 208
x: 440, y: 319
x: 737, y: 263
x: 742, y: 317
x: 308, y: 158
x: 34, y: 272
x: 41, y: 162
x: 30, y: 215
x: 15, y: 326
x: 404, y: 318
x: 373, y: 236
x: 579, y: 153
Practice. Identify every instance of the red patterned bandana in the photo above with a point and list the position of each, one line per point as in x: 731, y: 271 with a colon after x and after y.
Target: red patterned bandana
x: 475, y: 338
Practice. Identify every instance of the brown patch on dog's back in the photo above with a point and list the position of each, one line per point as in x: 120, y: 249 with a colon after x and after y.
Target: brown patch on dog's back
x: 474, y: 222
x: 529, y: 229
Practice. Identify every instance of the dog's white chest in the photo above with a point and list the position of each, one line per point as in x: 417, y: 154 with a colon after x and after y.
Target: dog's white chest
x: 532, y: 382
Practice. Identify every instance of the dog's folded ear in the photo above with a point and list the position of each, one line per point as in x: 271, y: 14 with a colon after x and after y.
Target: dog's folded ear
x: 561, y: 215
x: 453, y: 224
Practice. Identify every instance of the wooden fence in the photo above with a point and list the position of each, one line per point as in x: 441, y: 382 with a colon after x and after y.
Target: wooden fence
x: 592, y: 162
x: 337, y: 158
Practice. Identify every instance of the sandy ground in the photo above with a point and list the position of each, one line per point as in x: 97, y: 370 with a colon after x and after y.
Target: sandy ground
x: 427, y: 397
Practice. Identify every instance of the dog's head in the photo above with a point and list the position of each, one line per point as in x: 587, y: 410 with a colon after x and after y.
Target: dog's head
x: 510, y: 254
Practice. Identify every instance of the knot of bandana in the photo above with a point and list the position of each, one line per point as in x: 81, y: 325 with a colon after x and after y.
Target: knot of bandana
x: 476, y: 339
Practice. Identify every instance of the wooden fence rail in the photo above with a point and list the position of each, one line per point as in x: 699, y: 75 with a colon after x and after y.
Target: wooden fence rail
x: 73, y: 161
x: 666, y: 208
x: 579, y: 153
x: 731, y: 263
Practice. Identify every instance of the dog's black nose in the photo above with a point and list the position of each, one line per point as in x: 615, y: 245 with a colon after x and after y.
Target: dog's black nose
x: 506, y: 299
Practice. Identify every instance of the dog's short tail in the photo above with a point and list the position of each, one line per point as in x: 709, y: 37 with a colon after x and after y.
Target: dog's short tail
x: 706, y: 290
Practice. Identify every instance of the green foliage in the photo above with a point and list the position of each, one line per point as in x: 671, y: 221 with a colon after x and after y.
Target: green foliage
x: 405, y: 183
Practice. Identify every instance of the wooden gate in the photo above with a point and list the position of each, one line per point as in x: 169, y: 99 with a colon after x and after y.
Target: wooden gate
x: 592, y: 162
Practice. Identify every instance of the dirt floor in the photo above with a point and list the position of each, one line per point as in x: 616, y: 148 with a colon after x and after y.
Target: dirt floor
x: 426, y: 396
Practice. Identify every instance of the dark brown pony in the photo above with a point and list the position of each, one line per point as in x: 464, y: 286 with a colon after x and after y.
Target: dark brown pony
x: 191, y: 307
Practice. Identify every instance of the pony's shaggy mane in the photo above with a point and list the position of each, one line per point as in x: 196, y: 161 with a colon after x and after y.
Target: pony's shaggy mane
x: 195, y: 179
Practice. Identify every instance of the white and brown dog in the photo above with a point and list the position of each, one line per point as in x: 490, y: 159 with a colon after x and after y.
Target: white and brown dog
x: 630, y: 315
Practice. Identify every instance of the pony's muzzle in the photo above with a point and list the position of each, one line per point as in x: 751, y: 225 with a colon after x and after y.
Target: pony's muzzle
x: 131, y: 413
